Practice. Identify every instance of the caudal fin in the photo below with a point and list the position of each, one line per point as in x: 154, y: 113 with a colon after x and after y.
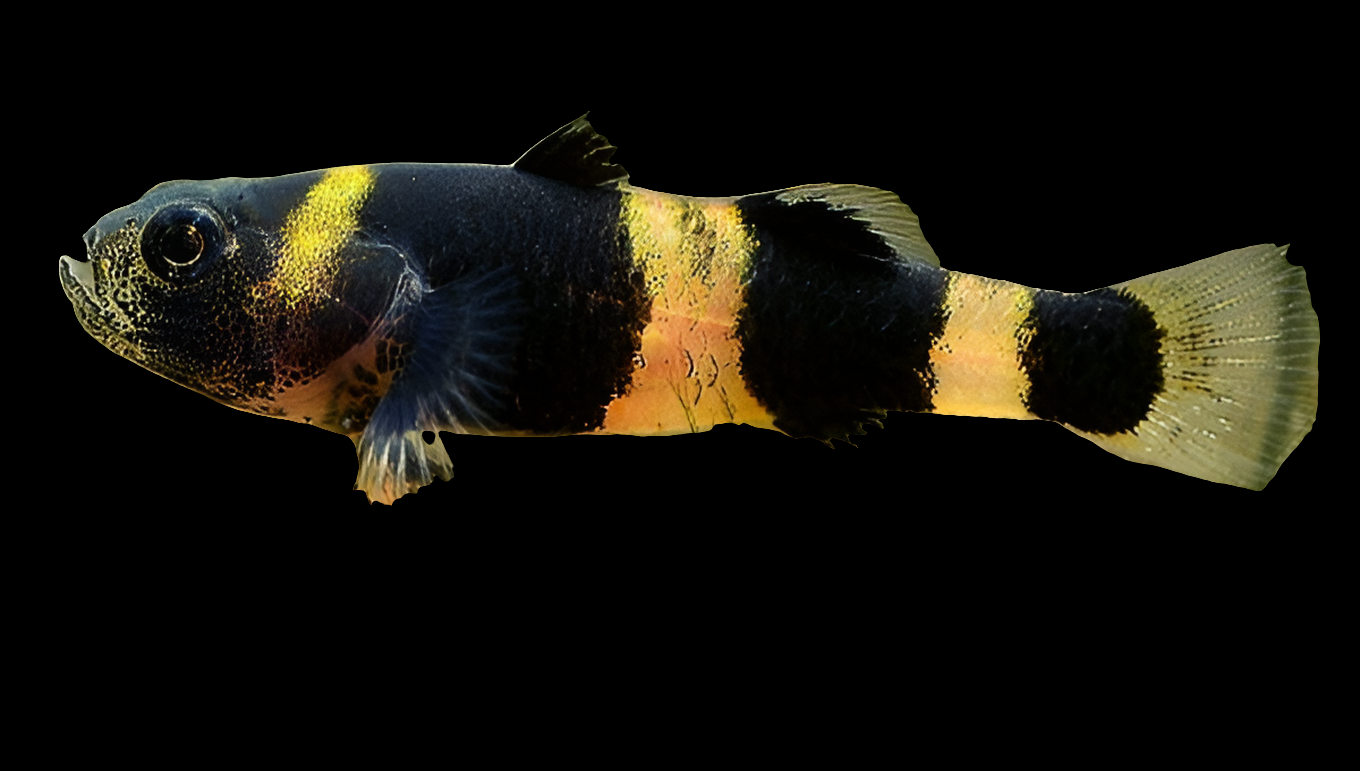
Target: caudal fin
x: 1240, y: 364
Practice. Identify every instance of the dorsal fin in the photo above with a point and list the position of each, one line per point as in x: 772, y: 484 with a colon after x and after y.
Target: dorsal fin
x: 844, y: 215
x: 574, y: 154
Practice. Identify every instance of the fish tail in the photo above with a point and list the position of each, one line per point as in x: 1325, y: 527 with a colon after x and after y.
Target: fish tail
x: 1210, y: 369
x: 1239, y: 368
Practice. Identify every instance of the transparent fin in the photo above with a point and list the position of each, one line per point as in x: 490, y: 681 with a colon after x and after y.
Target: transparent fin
x: 463, y: 338
x: 1240, y: 358
x: 880, y: 211
x: 393, y: 466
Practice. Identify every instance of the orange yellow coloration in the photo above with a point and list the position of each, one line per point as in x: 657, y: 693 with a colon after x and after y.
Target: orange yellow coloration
x: 687, y: 376
x: 976, y: 361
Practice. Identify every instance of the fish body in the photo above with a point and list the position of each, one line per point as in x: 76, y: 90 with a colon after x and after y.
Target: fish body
x: 550, y: 297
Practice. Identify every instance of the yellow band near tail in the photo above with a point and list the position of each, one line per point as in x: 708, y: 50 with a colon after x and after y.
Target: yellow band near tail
x: 976, y: 362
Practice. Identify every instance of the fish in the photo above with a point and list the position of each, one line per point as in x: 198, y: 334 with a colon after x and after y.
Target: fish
x: 390, y: 301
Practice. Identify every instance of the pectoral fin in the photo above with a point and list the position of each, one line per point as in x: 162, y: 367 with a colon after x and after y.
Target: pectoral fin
x: 463, y: 337
x: 392, y: 465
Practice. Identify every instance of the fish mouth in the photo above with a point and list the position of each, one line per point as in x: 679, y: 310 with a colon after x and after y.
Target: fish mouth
x: 95, y: 316
x: 77, y: 279
x: 78, y: 282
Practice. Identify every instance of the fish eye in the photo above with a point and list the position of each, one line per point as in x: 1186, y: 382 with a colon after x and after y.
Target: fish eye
x: 181, y: 240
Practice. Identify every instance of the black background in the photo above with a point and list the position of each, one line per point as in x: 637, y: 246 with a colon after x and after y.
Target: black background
x: 973, y: 570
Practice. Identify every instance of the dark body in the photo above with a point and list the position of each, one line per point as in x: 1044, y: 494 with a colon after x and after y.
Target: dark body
x: 572, y: 321
x: 836, y: 328
x: 835, y: 331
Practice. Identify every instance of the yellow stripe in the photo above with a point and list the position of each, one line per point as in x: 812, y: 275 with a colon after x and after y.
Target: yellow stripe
x: 315, y: 232
x: 693, y: 253
x: 976, y: 362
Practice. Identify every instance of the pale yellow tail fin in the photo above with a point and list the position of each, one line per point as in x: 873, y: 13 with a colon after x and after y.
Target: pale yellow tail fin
x: 1240, y: 358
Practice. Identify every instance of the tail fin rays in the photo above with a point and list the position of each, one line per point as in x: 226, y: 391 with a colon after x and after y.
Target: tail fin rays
x: 1240, y: 354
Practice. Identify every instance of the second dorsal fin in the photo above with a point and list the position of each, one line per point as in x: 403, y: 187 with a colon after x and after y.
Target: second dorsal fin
x: 574, y: 154
x: 844, y: 219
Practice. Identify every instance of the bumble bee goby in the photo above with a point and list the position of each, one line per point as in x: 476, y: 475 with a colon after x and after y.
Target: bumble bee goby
x: 550, y: 297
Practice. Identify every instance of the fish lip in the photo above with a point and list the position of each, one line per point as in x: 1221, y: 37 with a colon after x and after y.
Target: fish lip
x: 98, y: 315
x: 77, y: 278
x: 78, y: 282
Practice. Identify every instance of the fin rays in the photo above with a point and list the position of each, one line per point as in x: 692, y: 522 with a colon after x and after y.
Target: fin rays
x: 879, y: 212
x: 464, y: 335
x: 1240, y: 357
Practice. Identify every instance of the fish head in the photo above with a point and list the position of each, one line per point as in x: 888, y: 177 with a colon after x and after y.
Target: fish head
x: 247, y: 291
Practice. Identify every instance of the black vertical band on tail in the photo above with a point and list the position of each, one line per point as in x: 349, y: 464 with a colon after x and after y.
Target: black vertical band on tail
x: 836, y: 328
x: 1094, y: 360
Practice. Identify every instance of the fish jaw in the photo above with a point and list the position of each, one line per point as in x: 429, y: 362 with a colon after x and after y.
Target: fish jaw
x: 98, y: 318
x: 77, y: 280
